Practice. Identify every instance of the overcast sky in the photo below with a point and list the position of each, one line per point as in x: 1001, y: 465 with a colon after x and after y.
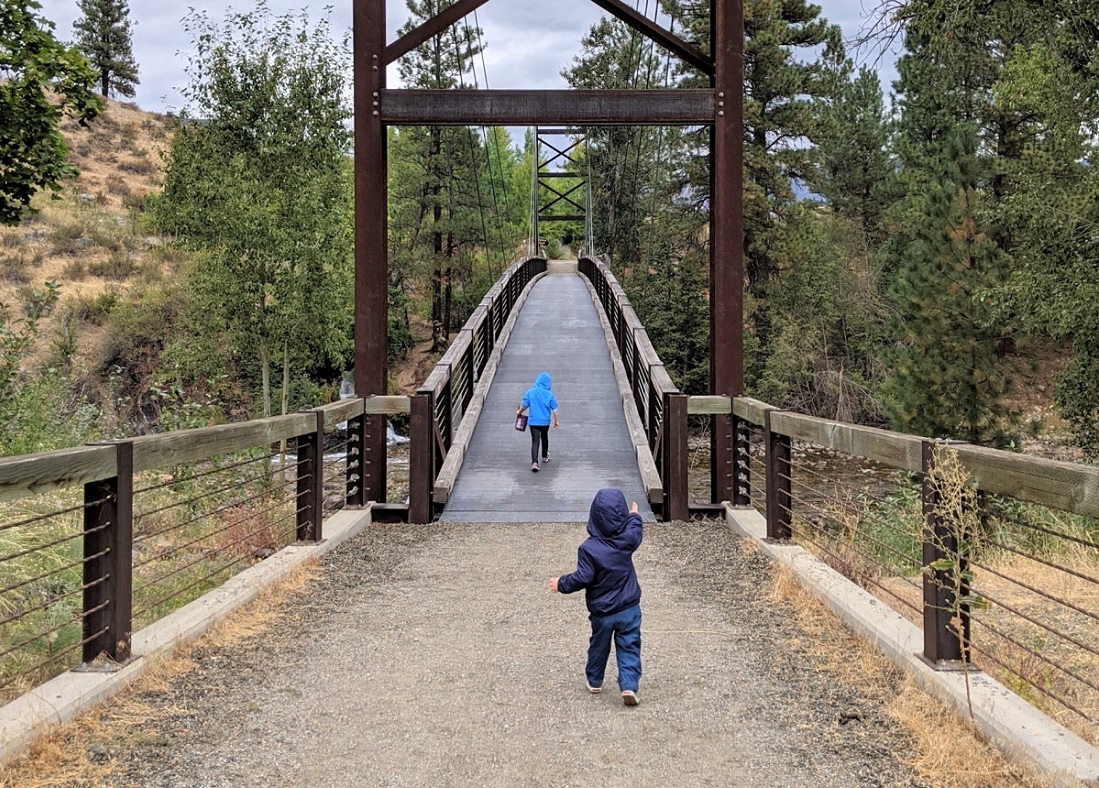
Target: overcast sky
x: 528, y: 41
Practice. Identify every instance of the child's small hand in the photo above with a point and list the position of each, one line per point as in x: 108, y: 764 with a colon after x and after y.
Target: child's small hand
x: 633, y: 508
x: 552, y: 583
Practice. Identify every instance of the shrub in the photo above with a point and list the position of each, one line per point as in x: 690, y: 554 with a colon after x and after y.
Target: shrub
x: 118, y: 267
x: 74, y: 271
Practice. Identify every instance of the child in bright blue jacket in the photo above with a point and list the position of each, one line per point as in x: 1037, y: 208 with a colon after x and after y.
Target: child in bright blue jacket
x: 604, y: 569
x: 542, y: 406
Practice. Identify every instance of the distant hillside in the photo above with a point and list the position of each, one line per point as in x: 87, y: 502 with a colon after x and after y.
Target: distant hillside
x: 91, y: 240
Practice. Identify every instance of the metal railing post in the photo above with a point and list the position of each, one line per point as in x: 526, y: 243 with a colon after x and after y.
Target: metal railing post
x: 356, y: 437
x: 310, y: 507
x: 742, y: 465
x: 676, y: 496
x: 779, y: 472
x: 421, y: 460
x: 941, y: 643
x: 108, y: 561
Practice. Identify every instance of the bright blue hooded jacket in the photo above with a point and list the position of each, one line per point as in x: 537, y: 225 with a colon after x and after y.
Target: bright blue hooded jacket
x: 604, y: 562
x: 541, y: 401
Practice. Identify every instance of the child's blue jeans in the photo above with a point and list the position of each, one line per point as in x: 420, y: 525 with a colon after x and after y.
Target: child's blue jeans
x: 625, y: 627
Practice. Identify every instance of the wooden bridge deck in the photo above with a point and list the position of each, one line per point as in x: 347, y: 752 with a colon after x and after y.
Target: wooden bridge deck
x: 558, y: 331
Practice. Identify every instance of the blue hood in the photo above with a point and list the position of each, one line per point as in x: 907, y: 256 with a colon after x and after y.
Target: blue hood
x: 608, y: 515
x: 543, y: 380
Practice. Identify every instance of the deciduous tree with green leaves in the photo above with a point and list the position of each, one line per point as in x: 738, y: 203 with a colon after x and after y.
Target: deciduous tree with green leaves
x: 104, y: 35
x: 41, y: 82
x: 263, y: 187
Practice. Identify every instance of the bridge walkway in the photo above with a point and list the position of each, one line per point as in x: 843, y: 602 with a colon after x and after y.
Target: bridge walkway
x: 557, y: 331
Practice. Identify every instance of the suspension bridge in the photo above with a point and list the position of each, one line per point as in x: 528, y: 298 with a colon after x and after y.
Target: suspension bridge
x: 447, y: 669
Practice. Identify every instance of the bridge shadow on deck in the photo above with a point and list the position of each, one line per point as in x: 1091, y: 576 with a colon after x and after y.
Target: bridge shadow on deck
x: 558, y: 331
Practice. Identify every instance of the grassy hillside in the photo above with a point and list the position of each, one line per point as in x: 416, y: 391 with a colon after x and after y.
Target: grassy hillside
x: 90, y: 240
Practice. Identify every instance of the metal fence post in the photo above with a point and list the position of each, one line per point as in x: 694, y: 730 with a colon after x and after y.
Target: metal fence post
x: 421, y: 460
x: 356, y: 437
x: 779, y: 472
x: 108, y: 561
x: 310, y: 451
x: 742, y: 466
x: 676, y: 496
x: 940, y: 606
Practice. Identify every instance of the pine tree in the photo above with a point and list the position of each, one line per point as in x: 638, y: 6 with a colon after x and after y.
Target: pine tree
x: 442, y: 233
x: 103, y: 34
x: 854, y: 154
x: 946, y: 378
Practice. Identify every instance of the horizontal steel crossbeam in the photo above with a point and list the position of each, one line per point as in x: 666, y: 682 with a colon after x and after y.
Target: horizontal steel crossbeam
x: 677, y: 107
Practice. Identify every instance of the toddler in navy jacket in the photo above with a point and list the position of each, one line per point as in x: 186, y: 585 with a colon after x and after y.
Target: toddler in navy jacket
x: 604, y: 569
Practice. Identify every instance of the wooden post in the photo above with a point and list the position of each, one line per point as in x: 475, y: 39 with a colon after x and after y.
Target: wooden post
x: 779, y: 472
x: 421, y: 460
x: 676, y: 496
x: 108, y: 561
x: 941, y: 645
x: 310, y: 507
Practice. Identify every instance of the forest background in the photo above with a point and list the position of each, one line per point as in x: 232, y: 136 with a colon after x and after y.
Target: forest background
x: 925, y: 260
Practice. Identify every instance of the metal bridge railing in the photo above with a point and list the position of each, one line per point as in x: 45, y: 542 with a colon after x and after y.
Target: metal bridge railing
x: 994, y: 554
x: 660, y: 404
x: 440, y: 404
x: 100, y: 540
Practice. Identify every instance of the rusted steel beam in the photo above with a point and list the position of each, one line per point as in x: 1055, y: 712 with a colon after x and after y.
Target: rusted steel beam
x: 529, y: 107
x: 780, y: 504
x: 677, y: 497
x: 727, y: 236
x: 310, y: 499
x: 943, y: 613
x: 371, y: 262
x: 108, y: 561
x: 421, y: 458
x: 432, y: 27
x: 665, y: 38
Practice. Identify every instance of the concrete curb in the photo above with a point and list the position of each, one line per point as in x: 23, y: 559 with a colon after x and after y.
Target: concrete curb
x: 1023, y: 733
x: 63, y: 698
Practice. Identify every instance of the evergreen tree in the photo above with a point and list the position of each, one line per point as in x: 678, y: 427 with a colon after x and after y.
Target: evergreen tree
x: 1053, y: 209
x: 946, y: 378
x: 103, y: 34
x: 854, y: 153
x: 443, y: 207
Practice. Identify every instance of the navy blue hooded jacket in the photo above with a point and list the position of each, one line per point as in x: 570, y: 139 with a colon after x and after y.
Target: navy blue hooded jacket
x: 604, y: 563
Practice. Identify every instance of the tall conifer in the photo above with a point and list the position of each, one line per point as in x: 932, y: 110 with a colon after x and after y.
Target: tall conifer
x: 104, y: 35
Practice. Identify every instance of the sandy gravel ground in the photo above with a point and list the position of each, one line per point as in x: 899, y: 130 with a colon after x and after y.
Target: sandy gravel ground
x: 435, y: 656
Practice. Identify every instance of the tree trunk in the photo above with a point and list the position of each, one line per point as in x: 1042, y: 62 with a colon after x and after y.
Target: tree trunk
x: 449, y: 292
x: 284, y: 407
x: 285, y: 377
x: 265, y: 373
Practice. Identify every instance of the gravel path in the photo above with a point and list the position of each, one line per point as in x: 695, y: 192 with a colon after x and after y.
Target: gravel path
x: 435, y: 656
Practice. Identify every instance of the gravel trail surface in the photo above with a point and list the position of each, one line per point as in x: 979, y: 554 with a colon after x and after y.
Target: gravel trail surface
x: 435, y: 656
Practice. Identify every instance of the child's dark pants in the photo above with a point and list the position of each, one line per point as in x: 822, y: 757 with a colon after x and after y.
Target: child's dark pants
x: 539, y: 434
x: 625, y: 627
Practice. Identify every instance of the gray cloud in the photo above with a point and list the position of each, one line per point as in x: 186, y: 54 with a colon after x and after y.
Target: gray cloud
x: 528, y: 41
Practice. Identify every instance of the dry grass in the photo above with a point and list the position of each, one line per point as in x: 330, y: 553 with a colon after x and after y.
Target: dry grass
x: 74, y: 754
x: 93, y: 226
x: 949, y: 752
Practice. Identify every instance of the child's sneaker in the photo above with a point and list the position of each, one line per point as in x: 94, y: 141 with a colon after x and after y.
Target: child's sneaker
x: 629, y: 697
x: 594, y: 690
x: 534, y: 467
x: 546, y: 458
